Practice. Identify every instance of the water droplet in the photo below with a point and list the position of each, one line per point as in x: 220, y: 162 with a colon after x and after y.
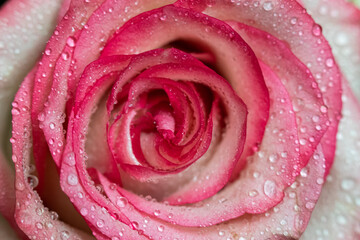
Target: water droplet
x: 253, y: 193
x: 284, y: 154
x: 84, y: 211
x: 100, y: 223
x: 316, y: 30
x: 70, y: 42
x: 269, y: 188
x: 319, y: 181
x: 52, y: 126
x: 135, y: 225
x: 315, y: 118
x: 310, y: 205
x: 323, y: 109
x: 122, y: 202
x: 19, y: 186
x: 157, y: 212
x: 54, y: 216
x: 15, y: 111
x: 304, y: 172
x: 272, y: 158
x: 39, y: 225
x: 163, y: 17
x: 268, y: 6
x: 293, y: 20
x: 64, y: 235
x: 39, y: 211
x: 70, y: 159
x: 72, y: 179
x: 33, y: 181
x: 302, y: 141
x: 65, y: 56
x: 329, y: 62
x: 161, y: 228
x: 48, y: 51
x: 221, y: 233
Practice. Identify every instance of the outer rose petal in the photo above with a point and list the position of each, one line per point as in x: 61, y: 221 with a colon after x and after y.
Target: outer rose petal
x: 340, y: 22
x: 20, y: 45
x: 31, y: 216
x: 341, y: 192
x: 341, y: 25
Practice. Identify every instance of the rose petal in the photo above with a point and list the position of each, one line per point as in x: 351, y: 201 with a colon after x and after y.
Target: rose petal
x: 299, y: 83
x: 31, y: 215
x: 341, y: 193
x: 340, y: 24
x: 19, y: 40
x: 308, y: 33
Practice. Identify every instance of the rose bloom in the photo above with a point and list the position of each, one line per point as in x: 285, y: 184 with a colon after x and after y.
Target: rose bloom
x: 188, y: 119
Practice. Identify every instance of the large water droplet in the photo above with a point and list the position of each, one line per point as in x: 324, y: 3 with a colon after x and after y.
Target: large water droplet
x: 122, y: 202
x: 100, y: 223
x: 72, y: 179
x: 70, y: 42
x: 268, y: 6
x: 33, y: 181
x: 316, y: 30
x: 269, y: 188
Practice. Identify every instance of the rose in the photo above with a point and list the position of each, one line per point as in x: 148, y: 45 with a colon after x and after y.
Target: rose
x: 283, y: 211
x: 304, y: 173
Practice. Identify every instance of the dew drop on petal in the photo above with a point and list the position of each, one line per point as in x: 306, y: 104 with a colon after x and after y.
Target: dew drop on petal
x: 70, y: 42
x: 84, y: 211
x: 70, y: 159
x: 329, y: 62
x: 268, y: 6
x: 269, y: 188
x: 316, y: 30
x: 64, y: 235
x: 100, y: 223
x: 293, y: 20
x: 161, y: 228
x: 122, y: 202
x: 310, y: 205
x: 33, y: 181
x: 72, y: 179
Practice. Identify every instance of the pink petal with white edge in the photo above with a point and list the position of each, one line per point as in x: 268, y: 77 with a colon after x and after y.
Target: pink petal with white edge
x: 340, y: 22
x: 341, y: 191
x: 30, y: 214
x: 20, y: 45
x: 294, y: 26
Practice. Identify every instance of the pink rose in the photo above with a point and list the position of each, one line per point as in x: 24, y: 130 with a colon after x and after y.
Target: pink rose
x: 182, y: 119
